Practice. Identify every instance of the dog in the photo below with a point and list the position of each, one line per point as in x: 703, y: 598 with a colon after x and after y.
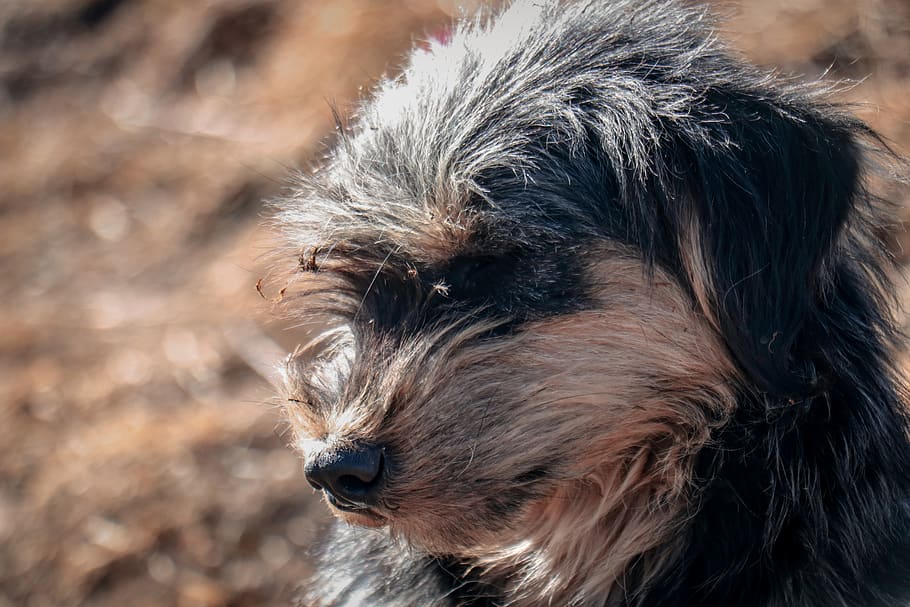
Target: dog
x: 606, y: 322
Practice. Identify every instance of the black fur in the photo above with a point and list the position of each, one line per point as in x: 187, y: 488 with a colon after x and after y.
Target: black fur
x: 626, y: 121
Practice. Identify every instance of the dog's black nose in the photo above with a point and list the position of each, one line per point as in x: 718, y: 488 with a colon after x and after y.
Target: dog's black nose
x: 352, y: 476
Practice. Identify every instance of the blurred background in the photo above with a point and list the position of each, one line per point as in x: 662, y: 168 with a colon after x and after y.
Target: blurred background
x: 142, y: 457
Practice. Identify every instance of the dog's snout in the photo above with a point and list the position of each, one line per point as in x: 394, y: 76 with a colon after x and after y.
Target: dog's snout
x: 352, y: 476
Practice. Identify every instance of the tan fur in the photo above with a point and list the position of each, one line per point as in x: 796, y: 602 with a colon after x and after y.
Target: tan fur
x: 614, y: 403
x: 694, y: 260
x: 631, y: 478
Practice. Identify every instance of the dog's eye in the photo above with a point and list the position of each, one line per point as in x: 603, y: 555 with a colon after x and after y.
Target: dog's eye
x: 480, y: 277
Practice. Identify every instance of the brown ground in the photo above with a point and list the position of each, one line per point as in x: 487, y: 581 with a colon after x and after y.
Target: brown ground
x: 143, y: 461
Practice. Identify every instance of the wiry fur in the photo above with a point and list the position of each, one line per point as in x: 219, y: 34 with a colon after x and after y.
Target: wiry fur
x: 611, y: 303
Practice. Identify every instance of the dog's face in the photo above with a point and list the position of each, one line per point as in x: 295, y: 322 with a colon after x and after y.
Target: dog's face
x: 485, y: 423
x: 548, y: 257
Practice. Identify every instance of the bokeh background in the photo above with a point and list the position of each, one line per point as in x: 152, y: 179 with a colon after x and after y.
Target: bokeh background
x: 142, y: 456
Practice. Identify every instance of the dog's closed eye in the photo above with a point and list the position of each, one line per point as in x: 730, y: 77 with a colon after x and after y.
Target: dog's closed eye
x: 480, y: 278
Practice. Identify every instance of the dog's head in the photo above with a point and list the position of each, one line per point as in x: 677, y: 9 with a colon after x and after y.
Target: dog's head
x: 550, y: 257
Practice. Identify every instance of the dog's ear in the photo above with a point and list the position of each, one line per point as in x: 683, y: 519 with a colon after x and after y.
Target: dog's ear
x: 768, y: 195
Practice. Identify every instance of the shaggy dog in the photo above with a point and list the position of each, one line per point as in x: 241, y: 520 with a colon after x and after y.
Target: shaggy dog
x: 607, y: 324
